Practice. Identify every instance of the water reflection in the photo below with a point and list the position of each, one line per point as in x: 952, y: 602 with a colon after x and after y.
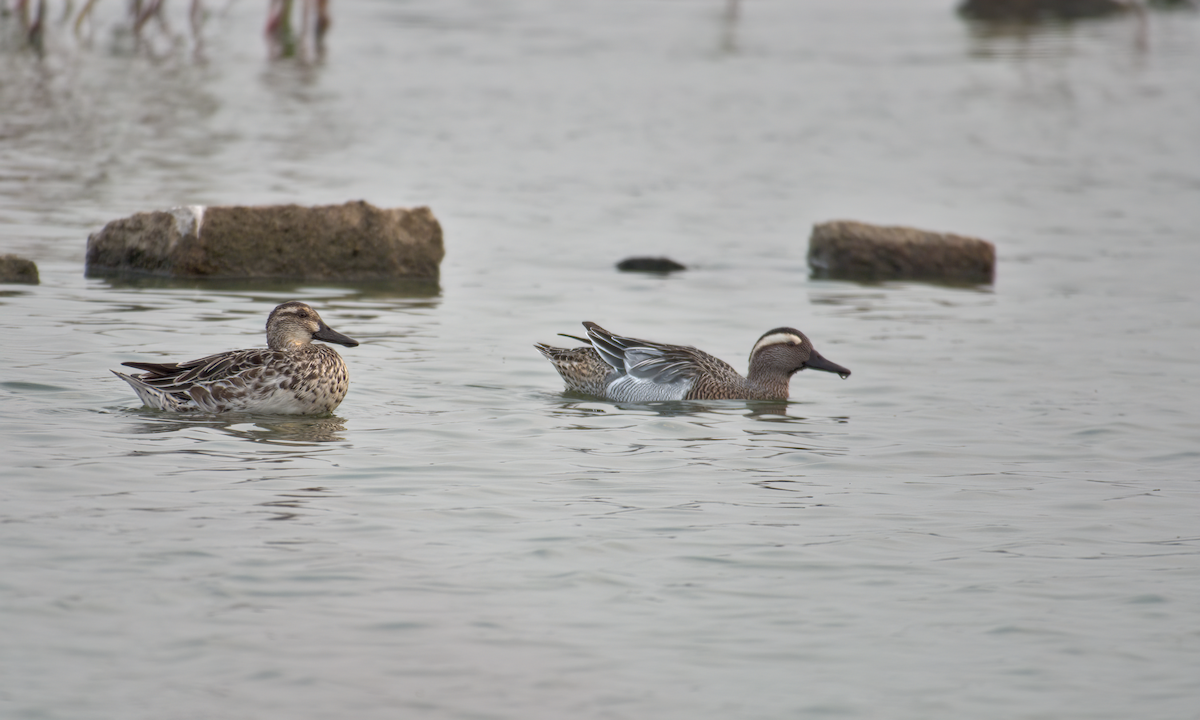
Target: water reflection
x: 584, y: 407
x: 1032, y: 11
x: 768, y: 410
x: 729, y: 24
x: 290, y: 503
x: 14, y: 293
x: 1050, y: 37
x: 307, y: 41
x: 269, y: 429
x: 257, y: 288
x: 760, y: 410
x: 149, y: 28
x: 908, y: 302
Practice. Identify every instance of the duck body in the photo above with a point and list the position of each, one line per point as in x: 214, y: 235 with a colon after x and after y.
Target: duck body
x: 291, y: 376
x: 625, y: 369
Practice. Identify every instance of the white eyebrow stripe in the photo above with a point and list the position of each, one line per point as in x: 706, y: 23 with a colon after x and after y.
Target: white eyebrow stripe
x: 776, y: 339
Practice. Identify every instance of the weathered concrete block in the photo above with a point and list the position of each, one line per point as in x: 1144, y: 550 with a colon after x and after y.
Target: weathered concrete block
x: 16, y: 269
x: 1033, y: 10
x: 354, y: 241
x: 854, y: 250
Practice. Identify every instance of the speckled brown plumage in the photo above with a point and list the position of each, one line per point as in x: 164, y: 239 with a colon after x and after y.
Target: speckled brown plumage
x: 630, y: 370
x: 581, y: 368
x: 291, y: 376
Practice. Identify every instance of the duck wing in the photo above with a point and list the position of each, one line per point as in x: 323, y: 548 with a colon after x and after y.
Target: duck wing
x: 644, y: 360
x: 213, y: 368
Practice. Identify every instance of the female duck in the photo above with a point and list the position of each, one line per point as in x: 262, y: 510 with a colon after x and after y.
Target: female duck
x: 626, y: 370
x: 291, y: 377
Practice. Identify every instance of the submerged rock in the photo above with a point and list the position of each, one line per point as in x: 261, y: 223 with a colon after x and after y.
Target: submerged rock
x: 1033, y: 10
x: 354, y: 241
x: 650, y: 264
x: 16, y: 269
x: 854, y: 250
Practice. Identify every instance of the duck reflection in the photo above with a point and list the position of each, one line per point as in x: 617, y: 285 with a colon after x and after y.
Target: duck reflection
x: 572, y: 405
x: 255, y: 428
x: 710, y: 432
x: 569, y: 406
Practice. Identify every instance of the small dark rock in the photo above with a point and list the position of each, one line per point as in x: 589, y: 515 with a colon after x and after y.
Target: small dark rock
x: 16, y: 269
x: 354, y: 241
x: 1034, y: 10
x: 854, y: 250
x: 649, y: 264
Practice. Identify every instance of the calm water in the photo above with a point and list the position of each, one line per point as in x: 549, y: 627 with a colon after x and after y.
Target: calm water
x: 996, y: 516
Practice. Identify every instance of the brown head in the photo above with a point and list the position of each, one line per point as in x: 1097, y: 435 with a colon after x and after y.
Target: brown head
x: 294, y: 325
x: 781, y: 352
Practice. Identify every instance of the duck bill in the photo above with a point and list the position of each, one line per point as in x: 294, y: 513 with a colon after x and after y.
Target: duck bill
x: 817, y: 361
x: 328, y: 334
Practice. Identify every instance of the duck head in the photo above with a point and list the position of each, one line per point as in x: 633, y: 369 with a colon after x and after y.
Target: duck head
x: 787, y: 351
x: 294, y: 324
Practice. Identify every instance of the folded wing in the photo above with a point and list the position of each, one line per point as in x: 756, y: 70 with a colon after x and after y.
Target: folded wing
x: 646, y: 370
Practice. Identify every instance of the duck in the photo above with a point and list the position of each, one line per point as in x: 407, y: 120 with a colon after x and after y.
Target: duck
x: 623, y: 369
x: 291, y: 376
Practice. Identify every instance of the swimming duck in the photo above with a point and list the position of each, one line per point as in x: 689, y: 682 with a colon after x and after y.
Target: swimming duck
x: 292, y: 376
x: 627, y: 370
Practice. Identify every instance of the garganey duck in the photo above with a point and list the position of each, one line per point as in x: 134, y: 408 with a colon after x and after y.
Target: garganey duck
x: 291, y: 376
x: 627, y: 370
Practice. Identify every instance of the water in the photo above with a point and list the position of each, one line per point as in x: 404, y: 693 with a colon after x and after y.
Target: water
x: 994, y: 517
